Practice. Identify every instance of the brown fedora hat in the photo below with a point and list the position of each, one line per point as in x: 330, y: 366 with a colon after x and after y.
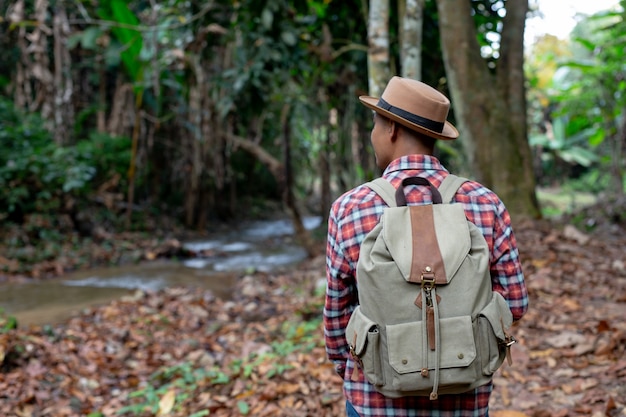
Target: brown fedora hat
x: 415, y: 105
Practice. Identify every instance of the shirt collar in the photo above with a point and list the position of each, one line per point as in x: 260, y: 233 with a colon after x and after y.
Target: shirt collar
x: 417, y: 162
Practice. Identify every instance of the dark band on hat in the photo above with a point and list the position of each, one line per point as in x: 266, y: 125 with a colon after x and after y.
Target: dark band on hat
x: 413, y: 118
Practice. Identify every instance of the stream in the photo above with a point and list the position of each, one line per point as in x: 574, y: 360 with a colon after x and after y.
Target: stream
x: 218, y: 261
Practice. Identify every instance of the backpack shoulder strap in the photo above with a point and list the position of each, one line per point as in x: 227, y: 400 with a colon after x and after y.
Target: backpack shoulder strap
x: 385, y: 190
x: 449, y: 187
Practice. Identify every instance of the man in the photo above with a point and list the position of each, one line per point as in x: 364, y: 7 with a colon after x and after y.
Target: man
x: 408, y: 120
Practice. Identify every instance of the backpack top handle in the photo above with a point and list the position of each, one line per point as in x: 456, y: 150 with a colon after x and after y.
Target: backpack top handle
x: 401, y: 199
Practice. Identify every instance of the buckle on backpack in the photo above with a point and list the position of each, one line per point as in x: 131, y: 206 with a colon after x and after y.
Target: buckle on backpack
x: 355, y: 357
x: 353, y: 353
x: 428, y: 283
x: 428, y: 278
x: 509, y: 341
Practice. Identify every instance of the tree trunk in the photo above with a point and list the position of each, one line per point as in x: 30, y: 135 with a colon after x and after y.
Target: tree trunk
x: 122, y: 117
x: 63, y: 84
x: 411, y: 29
x: 490, y: 108
x: 325, y: 190
x: 378, y: 46
x: 196, y: 140
x: 102, y: 96
x: 302, y: 235
x: 325, y: 167
x: 132, y: 169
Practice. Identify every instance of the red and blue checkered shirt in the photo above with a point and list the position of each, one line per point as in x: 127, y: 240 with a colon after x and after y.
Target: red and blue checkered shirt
x: 352, y: 217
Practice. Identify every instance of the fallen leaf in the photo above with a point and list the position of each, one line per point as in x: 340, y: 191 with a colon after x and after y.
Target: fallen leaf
x: 605, y: 345
x: 166, y: 404
x: 507, y: 413
x: 566, y: 339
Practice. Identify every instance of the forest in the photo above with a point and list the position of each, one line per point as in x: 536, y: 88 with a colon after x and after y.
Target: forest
x: 128, y: 128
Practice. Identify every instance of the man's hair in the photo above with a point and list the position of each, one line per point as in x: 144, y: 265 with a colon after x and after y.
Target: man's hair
x: 426, y: 140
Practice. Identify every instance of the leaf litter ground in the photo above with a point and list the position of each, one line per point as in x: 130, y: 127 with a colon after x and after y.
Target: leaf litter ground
x: 185, y: 352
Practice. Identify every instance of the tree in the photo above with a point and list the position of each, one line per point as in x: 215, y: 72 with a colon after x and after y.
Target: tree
x: 411, y: 31
x: 489, y: 100
x: 378, y: 46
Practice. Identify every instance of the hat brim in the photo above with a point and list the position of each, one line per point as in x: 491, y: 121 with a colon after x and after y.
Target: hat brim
x: 449, y: 132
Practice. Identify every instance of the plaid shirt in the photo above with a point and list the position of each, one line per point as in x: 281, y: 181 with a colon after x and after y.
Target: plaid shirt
x: 353, y: 216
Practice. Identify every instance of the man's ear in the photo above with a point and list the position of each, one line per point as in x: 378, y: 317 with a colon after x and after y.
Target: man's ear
x: 393, y: 130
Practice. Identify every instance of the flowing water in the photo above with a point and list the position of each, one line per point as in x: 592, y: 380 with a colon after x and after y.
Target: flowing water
x: 261, y: 245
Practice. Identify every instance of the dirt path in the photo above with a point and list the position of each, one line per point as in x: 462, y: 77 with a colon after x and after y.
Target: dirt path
x: 571, y: 357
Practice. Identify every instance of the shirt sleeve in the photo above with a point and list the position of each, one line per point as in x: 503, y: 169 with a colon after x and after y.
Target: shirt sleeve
x: 506, y: 270
x: 341, y: 294
x: 485, y: 209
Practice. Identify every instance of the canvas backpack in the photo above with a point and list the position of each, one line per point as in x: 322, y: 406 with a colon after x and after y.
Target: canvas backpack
x: 428, y: 321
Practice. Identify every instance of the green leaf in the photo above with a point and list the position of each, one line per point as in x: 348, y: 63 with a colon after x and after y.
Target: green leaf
x: 243, y: 407
x: 589, y: 45
x: 319, y: 7
x: 578, y: 155
x: 200, y: 413
x: 7, y: 323
x: 123, y: 20
x: 597, y: 138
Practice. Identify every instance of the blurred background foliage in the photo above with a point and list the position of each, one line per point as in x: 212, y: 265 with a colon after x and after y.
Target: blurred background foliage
x: 205, y: 111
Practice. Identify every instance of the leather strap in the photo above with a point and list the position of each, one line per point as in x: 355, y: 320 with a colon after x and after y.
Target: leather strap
x: 395, y: 197
x: 401, y: 198
x: 426, y: 255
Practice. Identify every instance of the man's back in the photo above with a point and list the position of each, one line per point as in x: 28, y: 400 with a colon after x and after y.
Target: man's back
x: 353, y: 216
x: 409, y: 119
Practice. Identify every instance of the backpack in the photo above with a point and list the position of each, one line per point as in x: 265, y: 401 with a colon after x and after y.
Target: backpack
x: 428, y: 321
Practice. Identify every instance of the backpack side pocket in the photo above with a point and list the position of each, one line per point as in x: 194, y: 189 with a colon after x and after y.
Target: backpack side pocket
x: 363, y: 337
x: 493, y: 321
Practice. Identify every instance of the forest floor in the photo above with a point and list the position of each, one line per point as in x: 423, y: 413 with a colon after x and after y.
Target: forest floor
x: 185, y: 352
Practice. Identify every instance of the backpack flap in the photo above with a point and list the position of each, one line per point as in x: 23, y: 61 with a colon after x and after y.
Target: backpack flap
x: 398, y: 239
x: 356, y: 331
x: 435, y: 230
x: 453, y: 236
x: 499, y: 316
x: 495, y: 343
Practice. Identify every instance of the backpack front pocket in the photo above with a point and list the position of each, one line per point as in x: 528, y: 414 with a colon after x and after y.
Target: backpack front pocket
x: 363, y: 337
x: 410, y: 357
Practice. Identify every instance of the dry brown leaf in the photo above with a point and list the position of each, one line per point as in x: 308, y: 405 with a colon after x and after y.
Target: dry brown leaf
x: 507, y: 413
x: 605, y: 344
x: 570, y: 304
x: 541, y: 353
x: 166, y: 404
x: 127, y: 341
x: 288, y: 388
